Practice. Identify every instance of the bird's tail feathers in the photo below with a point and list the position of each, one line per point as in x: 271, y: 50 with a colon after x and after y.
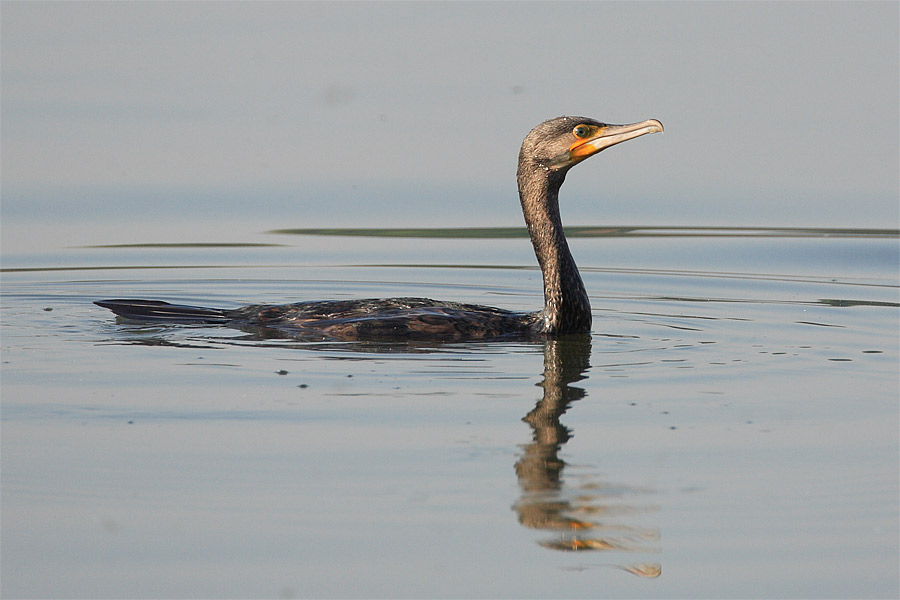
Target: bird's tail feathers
x: 163, y: 312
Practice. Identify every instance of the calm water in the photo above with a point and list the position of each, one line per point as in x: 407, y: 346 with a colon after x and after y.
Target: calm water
x: 730, y: 428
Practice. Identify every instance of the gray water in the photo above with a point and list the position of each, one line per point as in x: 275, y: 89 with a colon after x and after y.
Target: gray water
x: 730, y: 428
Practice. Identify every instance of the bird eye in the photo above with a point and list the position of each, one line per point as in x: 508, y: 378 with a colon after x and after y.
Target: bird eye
x: 581, y: 131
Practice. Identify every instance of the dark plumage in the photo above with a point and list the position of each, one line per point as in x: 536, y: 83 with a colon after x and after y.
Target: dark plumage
x: 547, y: 153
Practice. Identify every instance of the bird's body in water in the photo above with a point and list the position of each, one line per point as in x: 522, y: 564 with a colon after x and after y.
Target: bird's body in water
x: 547, y: 153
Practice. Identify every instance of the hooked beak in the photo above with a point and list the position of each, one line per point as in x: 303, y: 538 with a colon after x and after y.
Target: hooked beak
x: 610, y: 136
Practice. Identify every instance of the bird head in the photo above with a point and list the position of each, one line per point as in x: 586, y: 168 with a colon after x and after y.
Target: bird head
x: 560, y: 143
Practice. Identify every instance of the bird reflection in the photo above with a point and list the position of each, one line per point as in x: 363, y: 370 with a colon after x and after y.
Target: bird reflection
x: 583, y: 512
x: 580, y: 510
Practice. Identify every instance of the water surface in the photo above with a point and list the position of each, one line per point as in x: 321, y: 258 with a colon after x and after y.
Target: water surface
x: 729, y: 429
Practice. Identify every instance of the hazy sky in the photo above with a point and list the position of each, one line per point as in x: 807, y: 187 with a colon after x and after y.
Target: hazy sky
x: 775, y: 113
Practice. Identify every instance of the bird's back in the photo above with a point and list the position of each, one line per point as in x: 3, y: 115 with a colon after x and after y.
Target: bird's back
x: 389, y: 318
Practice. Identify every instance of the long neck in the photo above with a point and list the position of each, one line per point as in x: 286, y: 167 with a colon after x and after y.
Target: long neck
x: 566, y: 305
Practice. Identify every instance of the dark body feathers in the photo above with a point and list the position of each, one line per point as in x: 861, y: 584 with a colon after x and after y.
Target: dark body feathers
x: 418, y: 319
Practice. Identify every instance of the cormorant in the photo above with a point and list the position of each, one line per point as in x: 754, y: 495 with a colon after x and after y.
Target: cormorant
x: 547, y: 153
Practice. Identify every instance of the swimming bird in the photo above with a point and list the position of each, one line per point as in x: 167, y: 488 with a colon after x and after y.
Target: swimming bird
x: 547, y: 154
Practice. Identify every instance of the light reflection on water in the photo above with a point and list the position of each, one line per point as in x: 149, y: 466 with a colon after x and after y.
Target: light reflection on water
x: 719, y: 415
